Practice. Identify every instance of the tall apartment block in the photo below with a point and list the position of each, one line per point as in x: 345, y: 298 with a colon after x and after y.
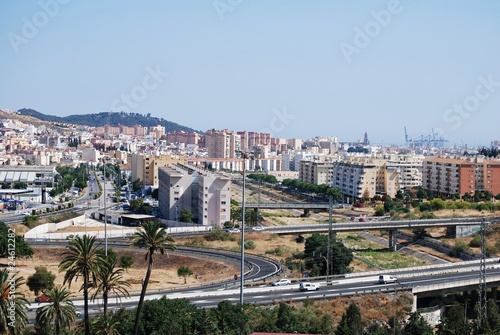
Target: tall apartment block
x: 222, y: 143
x: 365, y: 176
x: 206, y: 195
x: 251, y: 139
x: 450, y: 176
x: 410, y: 170
x: 316, y: 171
x: 145, y: 167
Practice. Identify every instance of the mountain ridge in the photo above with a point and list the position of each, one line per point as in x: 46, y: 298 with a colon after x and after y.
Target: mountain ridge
x: 109, y: 118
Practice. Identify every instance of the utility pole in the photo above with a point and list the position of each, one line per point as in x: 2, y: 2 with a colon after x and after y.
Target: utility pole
x: 258, y: 203
x: 242, y: 275
x: 482, y: 301
x: 105, y: 216
x: 329, y: 250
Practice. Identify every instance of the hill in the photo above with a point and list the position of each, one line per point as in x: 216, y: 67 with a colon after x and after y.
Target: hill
x: 109, y: 118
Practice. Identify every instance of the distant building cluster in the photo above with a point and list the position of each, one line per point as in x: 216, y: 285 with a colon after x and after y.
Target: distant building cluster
x: 186, y: 166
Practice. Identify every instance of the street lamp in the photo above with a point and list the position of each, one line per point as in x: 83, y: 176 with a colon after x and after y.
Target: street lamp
x: 105, y: 216
x: 243, y: 155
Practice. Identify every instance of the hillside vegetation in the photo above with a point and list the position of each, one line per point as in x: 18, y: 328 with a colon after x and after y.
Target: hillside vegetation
x: 108, y: 118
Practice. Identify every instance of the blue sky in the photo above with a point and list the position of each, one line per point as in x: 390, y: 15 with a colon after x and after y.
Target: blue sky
x: 297, y: 69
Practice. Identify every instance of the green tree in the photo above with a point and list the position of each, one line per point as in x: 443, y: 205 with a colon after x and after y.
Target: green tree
x: 13, y: 324
x: 316, y: 247
x: 343, y: 327
x: 417, y: 325
x: 82, y: 259
x: 454, y: 322
x: 107, y: 280
x: 492, y: 325
x: 379, y: 211
x: 137, y: 185
x: 437, y: 204
x: 184, y: 272
x: 185, y: 216
x: 41, y: 280
x: 375, y: 328
x: 136, y: 204
x: 126, y: 261
x: 154, y: 238
x: 60, y: 310
x: 108, y: 324
x: 154, y: 194
x: 22, y: 249
x: 231, y: 318
x: 19, y: 185
x: 388, y: 204
x: 421, y: 193
x: 351, y: 323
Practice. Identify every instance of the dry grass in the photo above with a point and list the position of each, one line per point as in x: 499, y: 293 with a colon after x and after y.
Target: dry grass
x: 164, y: 272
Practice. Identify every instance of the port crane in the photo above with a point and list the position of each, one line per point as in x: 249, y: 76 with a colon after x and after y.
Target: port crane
x: 428, y: 141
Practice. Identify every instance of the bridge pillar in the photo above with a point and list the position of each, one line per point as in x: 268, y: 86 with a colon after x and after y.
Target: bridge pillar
x: 414, y: 305
x: 392, y: 240
x: 494, y: 293
x: 306, y: 213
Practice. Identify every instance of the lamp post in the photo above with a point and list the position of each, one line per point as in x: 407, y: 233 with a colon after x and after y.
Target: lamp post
x: 330, y: 237
x: 105, y: 216
x: 243, y: 155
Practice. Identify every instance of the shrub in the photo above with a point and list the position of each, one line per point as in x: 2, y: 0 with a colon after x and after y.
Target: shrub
x: 475, y: 242
x: 197, y: 242
x: 425, y: 207
x: 458, y: 248
x: 427, y: 215
x: 462, y: 205
x: 249, y: 244
x: 497, y: 244
x: 379, y: 211
x: 278, y: 251
x: 491, y: 250
x: 218, y: 234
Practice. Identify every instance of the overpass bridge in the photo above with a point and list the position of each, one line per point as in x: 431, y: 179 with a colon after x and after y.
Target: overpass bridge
x: 457, y: 227
x: 439, y: 280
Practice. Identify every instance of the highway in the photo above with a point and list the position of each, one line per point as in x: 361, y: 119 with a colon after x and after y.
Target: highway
x: 415, y: 280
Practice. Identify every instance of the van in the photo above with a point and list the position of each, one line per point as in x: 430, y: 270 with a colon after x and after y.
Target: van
x: 385, y: 279
x: 308, y: 287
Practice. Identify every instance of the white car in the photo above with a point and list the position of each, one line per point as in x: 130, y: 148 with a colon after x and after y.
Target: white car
x: 281, y: 282
x: 308, y: 287
x: 258, y: 228
x: 233, y: 230
x: 385, y: 279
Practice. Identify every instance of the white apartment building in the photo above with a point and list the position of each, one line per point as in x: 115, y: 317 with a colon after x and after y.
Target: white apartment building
x: 90, y: 155
x: 206, y: 195
x: 316, y: 171
x: 360, y: 177
x: 410, y: 169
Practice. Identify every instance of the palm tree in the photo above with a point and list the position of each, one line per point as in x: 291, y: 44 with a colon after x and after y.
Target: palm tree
x: 10, y: 295
x: 60, y: 309
x: 109, y: 279
x: 154, y: 238
x: 110, y: 324
x: 82, y: 259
